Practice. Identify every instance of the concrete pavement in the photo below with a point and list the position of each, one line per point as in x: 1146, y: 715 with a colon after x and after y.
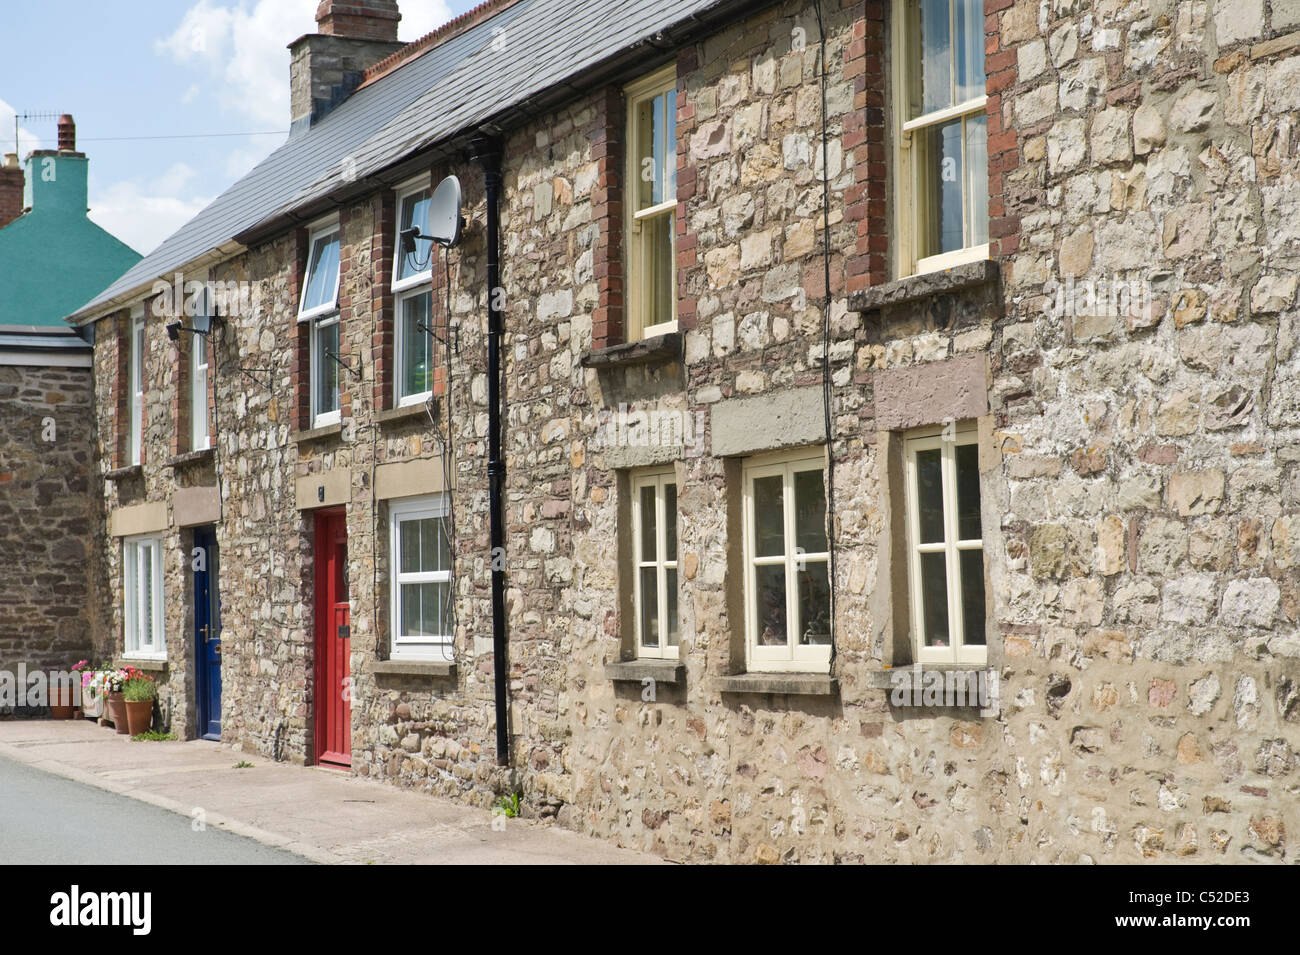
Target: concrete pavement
x: 321, y: 815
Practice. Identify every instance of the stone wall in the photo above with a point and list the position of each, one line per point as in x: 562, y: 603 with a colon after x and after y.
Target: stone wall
x: 1136, y: 469
x: 47, y: 518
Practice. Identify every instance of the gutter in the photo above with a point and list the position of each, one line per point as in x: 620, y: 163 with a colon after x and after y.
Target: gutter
x: 487, y: 153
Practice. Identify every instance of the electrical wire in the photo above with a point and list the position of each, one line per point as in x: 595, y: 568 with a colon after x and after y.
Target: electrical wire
x: 828, y: 385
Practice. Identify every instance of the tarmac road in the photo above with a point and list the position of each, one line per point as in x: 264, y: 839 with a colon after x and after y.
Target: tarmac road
x: 47, y: 819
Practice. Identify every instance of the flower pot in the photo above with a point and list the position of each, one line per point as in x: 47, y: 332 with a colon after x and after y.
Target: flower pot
x: 92, y: 703
x: 61, y: 702
x: 139, y: 715
x: 117, y: 712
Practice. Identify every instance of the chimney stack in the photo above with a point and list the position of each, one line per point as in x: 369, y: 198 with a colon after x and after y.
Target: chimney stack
x: 67, y: 134
x: 326, y: 67
x: 11, y: 190
x: 359, y: 19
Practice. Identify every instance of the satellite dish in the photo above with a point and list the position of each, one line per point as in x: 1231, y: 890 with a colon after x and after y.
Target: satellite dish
x: 444, y: 212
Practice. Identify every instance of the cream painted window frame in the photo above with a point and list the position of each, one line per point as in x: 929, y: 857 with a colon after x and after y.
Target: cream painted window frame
x: 663, y: 562
x: 133, y: 593
x: 657, y: 83
x: 905, y: 165
x: 946, y: 439
x: 792, y: 657
x: 405, y: 289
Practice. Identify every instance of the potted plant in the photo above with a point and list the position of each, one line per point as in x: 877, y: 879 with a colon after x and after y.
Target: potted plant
x: 138, y: 694
x: 63, y: 700
x: 114, y: 679
x: 92, y: 692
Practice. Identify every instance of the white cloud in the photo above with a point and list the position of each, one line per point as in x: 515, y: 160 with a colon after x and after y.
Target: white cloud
x: 239, y: 49
x: 143, y: 214
x: 27, y: 140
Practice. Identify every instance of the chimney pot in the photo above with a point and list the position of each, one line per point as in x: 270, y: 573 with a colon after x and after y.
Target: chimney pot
x: 67, y: 134
x: 359, y: 19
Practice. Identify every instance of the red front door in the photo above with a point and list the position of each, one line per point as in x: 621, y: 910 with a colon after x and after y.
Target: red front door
x: 333, y: 643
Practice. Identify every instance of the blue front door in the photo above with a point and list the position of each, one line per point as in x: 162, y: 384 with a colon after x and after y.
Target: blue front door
x: 207, y: 633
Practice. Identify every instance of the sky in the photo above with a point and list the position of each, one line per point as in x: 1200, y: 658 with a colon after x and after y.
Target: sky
x: 206, y: 75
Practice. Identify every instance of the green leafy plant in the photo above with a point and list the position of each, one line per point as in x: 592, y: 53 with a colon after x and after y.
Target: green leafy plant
x: 507, y: 806
x: 153, y: 736
x: 139, y: 689
x: 243, y: 764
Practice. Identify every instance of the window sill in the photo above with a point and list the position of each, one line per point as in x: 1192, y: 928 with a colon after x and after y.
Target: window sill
x: 126, y: 473
x: 334, y: 430
x: 429, y: 668
x: 917, y: 287
x: 660, y: 348
x: 670, y: 672
x: 792, y: 684
x: 403, y: 414
x: 148, y: 664
x: 189, y: 458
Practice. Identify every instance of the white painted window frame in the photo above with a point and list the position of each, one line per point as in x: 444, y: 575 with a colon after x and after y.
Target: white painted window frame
x: 947, y: 440
x: 321, y: 316
x: 792, y: 657
x: 200, y: 426
x: 136, y: 359
x: 662, y: 563
x: 133, y: 599
x: 906, y: 171
x: 405, y: 289
x: 403, y: 647
x: 646, y: 88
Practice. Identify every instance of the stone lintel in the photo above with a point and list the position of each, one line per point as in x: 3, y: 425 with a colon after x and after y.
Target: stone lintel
x: 412, y: 478
x: 196, y: 505
x: 325, y: 489
x: 138, y: 519
x: 931, y: 393
x: 783, y: 419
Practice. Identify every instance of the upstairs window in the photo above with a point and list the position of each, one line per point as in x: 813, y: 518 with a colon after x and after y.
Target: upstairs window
x: 945, y: 546
x: 942, y: 138
x: 651, y: 195
x: 200, y: 434
x: 135, y: 404
x: 319, y: 306
x: 413, y: 292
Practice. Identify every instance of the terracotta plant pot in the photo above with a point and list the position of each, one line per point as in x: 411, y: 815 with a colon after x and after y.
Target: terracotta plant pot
x: 117, y: 712
x: 61, y: 703
x: 139, y: 716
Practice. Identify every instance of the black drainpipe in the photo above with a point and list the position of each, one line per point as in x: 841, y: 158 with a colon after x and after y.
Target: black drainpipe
x: 486, y: 152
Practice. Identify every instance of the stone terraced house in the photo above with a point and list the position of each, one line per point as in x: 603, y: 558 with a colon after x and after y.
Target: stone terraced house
x: 982, y: 310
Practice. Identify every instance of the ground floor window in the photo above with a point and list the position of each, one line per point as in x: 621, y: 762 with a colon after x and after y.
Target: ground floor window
x: 654, y: 578
x: 420, y: 550
x: 787, y: 580
x: 143, y: 597
x: 945, y: 545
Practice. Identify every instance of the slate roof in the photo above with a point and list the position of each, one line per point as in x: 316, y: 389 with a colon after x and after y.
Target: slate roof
x: 447, y: 90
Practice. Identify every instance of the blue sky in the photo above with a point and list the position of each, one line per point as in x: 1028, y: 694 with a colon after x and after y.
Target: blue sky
x: 153, y: 69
